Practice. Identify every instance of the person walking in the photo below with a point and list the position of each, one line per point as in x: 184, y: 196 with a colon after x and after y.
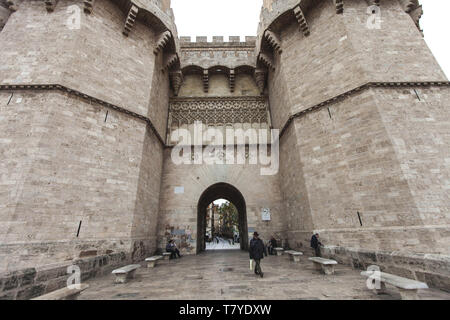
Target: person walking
x: 315, y: 244
x: 257, y: 250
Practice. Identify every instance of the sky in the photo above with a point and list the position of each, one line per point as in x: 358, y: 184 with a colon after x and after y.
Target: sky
x: 241, y: 17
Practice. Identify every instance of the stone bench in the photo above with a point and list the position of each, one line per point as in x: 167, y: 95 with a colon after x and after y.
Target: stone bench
x: 294, y: 255
x: 151, y: 262
x: 324, y: 265
x: 67, y: 293
x: 279, y: 251
x: 408, y: 288
x: 125, y: 273
x: 166, y: 255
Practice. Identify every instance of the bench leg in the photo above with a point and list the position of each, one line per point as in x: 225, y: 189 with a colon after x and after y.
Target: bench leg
x: 151, y: 264
x: 408, y: 294
x: 382, y: 289
x: 317, y: 266
x: 296, y: 258
x: 328, y: 269
x: 121, y: 278
x: 131, y: 274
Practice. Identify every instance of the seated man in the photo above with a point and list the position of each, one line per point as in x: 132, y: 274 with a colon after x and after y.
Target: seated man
x: 272, y: 245
x: 172, y: 248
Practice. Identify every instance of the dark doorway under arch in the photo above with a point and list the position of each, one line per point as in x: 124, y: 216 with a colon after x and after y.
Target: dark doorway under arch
x: 221, y: 191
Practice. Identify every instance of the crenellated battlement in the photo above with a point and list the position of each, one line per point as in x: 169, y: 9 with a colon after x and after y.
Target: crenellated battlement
x: 217, y: 41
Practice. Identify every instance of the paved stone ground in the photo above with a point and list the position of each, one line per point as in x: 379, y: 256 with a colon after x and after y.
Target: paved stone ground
x: 226, y: 275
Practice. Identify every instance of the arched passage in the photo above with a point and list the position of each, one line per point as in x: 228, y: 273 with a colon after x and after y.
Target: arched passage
x: 227, y: 192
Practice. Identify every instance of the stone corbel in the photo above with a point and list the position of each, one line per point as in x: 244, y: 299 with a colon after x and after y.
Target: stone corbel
x: 273, y: 40
x: 339, y: 6
x: 88, y: 6
x: 266, y: 60
x: 373, y: 2
x: 232, y: 78
x: 260, y: 79
x: 50, y: 5
x: 414, y: 9
x: 205, y: 81
x: 298, y: 12
x: 176, y: 79
x: 170, y: 61
x: 131, y: 19
x: 162, y: 41
x: 12, y: 5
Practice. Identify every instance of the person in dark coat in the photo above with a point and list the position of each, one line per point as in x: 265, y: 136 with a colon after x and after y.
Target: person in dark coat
x: 272, y: 245
x: 172, y: 248
x: 257, y: 251
x: 315, y: 244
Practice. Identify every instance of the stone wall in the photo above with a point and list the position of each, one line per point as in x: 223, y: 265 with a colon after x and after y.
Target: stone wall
x: 87, y: 153
x: 356, y: 154
x: 433, y: 269
x: 178, y: 210
x: 24, y: 284
x: 66, y: 161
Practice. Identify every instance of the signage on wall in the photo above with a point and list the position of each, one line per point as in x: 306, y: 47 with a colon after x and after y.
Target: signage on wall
x: 265, y: 214
x: 179, y: 190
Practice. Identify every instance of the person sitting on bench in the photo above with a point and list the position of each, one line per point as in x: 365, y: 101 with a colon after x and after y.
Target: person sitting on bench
x: 272, y: 245
x: 172, y: 248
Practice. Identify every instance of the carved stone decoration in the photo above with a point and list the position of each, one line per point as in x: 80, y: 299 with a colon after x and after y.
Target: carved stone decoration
x: 218, y: 111
x: 88, y: 6
x: 162, y: 41
x: 273, y: 40
x: 260, y: 79
x: 301, y: 20
x: 373, y: 2
x: 232, y: 78
x: 50, y: 5
x: 266, y: 60
x: 176, y: 78
x: 414, y: 9
x: 339, y: 6
x: 205, y: 81
x: 170, y: 61
x: 131, y: 19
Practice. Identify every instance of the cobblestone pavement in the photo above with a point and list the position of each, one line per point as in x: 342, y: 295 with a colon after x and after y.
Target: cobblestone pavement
x: 226, y: 275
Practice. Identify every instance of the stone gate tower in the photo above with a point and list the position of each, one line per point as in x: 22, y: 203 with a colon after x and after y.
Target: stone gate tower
x: 90, y: 91
x: 84, y: 104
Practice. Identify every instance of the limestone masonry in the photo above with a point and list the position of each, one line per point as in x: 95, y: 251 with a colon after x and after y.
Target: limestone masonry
x: 91, y: 92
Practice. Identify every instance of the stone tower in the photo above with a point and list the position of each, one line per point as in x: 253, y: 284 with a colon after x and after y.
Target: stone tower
x: 361, y: 103
x: 84, y: 95
x: 92, y: 90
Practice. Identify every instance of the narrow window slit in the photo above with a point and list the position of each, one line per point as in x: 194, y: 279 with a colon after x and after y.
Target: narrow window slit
x: 359, y: 217
x: 417, y: 94
x: 10, y: 98
x: 79, y: 227
x: 329, y: 113
x: 106, y: 116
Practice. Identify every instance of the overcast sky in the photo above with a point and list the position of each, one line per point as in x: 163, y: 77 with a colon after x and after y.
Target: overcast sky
x: 241, y: 17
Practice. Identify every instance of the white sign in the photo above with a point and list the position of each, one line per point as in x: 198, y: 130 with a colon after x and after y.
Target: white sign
x: 265, y: 213
x: 179, y: 190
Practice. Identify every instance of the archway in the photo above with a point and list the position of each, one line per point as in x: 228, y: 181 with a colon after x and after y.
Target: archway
x: 227, y: 192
